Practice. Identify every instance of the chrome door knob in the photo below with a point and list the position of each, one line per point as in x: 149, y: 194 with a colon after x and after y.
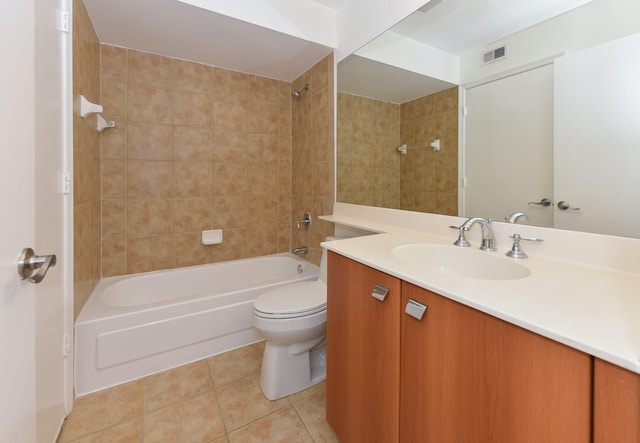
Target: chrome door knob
x: 32, y: 267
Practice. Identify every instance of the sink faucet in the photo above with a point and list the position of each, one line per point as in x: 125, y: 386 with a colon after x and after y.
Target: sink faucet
x: 488, y: 236
x: 513, y: 218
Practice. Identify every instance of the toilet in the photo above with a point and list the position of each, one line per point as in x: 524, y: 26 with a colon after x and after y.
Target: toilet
x: 293, y: 321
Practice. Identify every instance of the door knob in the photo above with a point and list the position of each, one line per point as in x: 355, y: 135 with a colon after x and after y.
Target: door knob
x: 563, y: 206
x: 32, y: 267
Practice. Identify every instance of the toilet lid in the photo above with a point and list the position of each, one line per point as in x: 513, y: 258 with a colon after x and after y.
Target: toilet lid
x: 294, y: 300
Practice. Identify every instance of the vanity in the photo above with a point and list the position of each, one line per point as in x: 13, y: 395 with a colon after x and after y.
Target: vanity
x: 542, y: 349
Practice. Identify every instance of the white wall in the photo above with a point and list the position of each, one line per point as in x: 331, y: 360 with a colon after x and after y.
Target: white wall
x: 597, y: 22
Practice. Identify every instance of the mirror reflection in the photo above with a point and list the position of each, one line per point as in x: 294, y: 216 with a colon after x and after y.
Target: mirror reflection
x: 406, y: 141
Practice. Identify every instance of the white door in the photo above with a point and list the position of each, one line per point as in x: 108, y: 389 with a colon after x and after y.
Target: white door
x: 53, y: 215
x: 508, y: 147
x: 597, y: 138
x: 32, y: 317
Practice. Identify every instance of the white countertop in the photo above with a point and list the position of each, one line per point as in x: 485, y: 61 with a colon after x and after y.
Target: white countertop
x: 593, y: 309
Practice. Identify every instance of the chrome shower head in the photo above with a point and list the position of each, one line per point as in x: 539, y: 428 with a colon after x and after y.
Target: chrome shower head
x: 296, y: 94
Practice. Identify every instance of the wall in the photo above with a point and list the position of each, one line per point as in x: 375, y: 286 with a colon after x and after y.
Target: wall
x: 195, y: 147
x: 86, y: 155
x: 371, y: 170
x: 312, y: 186
x: 429, y: 179
x: 368, y: 138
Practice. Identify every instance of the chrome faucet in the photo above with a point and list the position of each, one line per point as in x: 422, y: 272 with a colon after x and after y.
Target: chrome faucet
x: 301, y: 250
x: 488, y: 236
x: 513, y: 218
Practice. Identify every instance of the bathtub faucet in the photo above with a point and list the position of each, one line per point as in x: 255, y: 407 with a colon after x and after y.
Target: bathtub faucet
x: 301, y: 250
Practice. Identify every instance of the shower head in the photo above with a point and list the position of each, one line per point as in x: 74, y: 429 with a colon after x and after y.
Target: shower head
x: 296, y: 94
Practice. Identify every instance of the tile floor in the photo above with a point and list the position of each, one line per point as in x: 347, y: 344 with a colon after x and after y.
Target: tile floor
x: 213, y: 400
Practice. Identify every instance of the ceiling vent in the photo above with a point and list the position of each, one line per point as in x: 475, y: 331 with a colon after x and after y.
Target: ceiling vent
x: 494, y: 55
x: 429, y: 6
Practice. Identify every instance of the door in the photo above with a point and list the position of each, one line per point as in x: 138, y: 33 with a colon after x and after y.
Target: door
x: 32, y: 372
x: 597, y: 133
x: 470, y: 377
x: 508, y: 147
x: 363, y: 352
x: 17, y: 226
x: 53, y: 216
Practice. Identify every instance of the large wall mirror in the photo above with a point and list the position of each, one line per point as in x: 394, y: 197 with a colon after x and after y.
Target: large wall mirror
x: 496, y: 108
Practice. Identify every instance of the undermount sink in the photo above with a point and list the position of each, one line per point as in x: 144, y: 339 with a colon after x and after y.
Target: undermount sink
x: 462, y: 262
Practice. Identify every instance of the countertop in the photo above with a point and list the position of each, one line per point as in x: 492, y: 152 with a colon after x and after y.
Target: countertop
x: 592, y: 309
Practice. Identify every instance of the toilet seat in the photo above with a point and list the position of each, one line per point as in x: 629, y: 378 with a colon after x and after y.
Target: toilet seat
x: 292, y: 301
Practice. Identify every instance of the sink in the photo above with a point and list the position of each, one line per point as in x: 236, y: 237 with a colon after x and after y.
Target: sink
x: 458, y: 261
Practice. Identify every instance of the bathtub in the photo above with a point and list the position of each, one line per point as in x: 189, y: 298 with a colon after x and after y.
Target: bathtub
x: 136, y: 325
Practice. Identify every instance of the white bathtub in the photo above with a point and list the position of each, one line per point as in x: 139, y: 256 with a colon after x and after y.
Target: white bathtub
x: 137, y: 325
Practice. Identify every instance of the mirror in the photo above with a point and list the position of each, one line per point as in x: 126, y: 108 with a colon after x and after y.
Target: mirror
x: 388, y: 106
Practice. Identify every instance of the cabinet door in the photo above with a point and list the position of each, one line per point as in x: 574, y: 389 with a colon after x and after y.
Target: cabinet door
x: 470, y: 377
x: 363, y: 353
x: 616, y: 404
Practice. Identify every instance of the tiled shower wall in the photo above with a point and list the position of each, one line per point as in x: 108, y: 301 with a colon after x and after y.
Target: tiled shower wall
x: 313, y: 155
x: 195, y: 147
x: 368, y: 140
x: 428, y: 178
x: 86, y: 159
x: 372, y: 172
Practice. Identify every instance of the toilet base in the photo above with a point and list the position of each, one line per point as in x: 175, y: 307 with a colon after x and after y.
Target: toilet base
x: 284, y: 373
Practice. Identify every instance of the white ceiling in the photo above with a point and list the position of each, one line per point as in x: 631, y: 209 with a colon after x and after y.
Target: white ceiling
x: 454, y: 26
x: 175, y: 29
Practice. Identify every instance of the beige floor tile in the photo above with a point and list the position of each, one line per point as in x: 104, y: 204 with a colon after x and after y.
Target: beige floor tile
x: 307, y: 392
x: 242, y: 401
x: 177, y: 384
x: 101, y: 410
x: 127, y: 432
x: 236, y: 364
x: 283, y: 425
x: 196, y: 419
x: 312, y: 411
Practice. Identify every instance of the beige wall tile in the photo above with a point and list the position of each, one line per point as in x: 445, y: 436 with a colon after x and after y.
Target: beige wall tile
x: 114, y: 258
x: 229, y: 179
x: 228, y: 83
x: 113, y: 98
x: 192, y: 77
x: 192, y: 144
x: 263, y: 89
x: 230, y: 212
x: 113, y: 63
x: 114, y: 178
x: 149, y: 178
x: 230, y: 146
x: 230, y: 113
x: 192, y: 214
x: 192, y: 179
x: 149, y: 253
x: 262, y: 117
x: 149, y: 69
x: 113, y: 142
x: 190, y: 251
x: 192, y: 109
x: 148, y: 216
x: 149, y: 142
x: 113, y: 218
x: 149, y: 104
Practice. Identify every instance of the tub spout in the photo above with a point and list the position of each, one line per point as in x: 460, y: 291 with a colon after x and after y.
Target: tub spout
x: 301, y: 250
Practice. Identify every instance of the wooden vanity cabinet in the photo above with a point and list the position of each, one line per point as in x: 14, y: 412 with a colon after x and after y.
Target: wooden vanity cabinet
x: 616, y: 404
x: 469, y: 377
x: 457, y: 375
x: 363, y: 353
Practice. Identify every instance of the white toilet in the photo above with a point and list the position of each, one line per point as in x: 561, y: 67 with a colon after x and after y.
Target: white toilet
x: 293, y: 321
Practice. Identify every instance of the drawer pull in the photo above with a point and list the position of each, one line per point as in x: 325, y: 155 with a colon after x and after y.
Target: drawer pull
x: 379, y: 292
x: 415, y: 309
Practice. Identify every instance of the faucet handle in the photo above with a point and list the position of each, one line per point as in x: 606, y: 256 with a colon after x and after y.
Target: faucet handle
x: 516, y: 250
x: 461, y: 241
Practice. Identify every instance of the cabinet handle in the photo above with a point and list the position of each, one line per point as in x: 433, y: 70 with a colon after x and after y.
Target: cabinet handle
x: 379, y: 292
x: 415, y: 309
